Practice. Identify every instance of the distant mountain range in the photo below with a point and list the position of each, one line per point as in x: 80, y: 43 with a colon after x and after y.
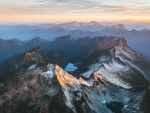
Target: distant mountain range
x: 51, y: 31
x: 137, y: 39
x: 14, y: 46
x: 65, y: 43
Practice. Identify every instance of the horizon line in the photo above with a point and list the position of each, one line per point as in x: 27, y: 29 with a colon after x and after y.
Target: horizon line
x: 121, y: 21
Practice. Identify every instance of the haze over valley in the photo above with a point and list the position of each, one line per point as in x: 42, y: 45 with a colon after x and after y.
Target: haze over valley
x: 137, y: 36
x: 74, y: 56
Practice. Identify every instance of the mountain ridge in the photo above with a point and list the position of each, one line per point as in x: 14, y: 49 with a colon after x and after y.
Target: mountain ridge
x: 51, y: 31
x: 107, y: 66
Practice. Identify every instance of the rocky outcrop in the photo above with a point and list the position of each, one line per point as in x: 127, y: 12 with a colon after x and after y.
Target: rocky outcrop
x: 110, y: 73
x: 58, y: 57
x: 38, y: 55
x: 18, y: 64
x: 114, y: 60
x: 31, y: 92
x: 42, y: 88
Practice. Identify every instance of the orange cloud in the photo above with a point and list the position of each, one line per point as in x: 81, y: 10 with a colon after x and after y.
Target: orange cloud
x: 69, y: 10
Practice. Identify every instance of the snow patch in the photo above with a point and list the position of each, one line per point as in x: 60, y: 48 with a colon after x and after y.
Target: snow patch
x: 32, y: 67
x: 49, y: 73
x: 103, y: 101
x: 104, y: 58
x: 96, y: 66
x: 125, y: 106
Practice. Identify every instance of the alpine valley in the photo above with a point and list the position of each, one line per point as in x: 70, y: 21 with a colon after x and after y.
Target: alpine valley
x: 109, y: 77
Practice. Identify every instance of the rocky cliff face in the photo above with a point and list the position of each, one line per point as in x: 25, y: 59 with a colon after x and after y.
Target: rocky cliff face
x: 31, y: 92
x: 114, y: 60
x: 37, y: 55
x: 110, y: 74
x: 18, y: 64
x: 48, y: 87
x: 58, y: 57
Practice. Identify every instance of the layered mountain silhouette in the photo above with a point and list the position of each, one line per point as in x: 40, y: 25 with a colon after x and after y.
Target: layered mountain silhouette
x: 50, y: 31
x: 64, y: 43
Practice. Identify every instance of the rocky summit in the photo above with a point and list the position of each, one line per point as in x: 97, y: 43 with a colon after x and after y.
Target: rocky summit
x: 111, y: 78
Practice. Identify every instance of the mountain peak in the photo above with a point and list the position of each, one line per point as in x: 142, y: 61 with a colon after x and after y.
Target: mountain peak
x: 144, y: 30
x: 15, y: 40
x: 36, y: 38
x: 37, y: 54
x: 118, y: 27
x: 67, y: 38
x: 133, y: 30
x: 36, y: 41
x: 110, y: 42
x: 93, y: 23
x: 75, y: 22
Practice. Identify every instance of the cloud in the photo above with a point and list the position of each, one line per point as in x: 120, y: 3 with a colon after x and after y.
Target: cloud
x: 143, y: 9
x: 64, y: 7
x: 142, y: 3
x: 39, y: 1
x: 81, y: 6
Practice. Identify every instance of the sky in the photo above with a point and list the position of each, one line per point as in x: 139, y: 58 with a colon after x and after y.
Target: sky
x: 74, y: 10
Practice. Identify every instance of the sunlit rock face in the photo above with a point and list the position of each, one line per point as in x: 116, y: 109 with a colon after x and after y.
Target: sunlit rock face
x: 35, y: 89
x: 39, y: 56
x: 46, y: 84
x: 43, y: 85
x: 110, y: 73
x: 18, y: 64
x: 91, y: 95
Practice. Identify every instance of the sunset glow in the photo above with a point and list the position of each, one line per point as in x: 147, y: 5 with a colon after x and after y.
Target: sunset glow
x: 70, y: 10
